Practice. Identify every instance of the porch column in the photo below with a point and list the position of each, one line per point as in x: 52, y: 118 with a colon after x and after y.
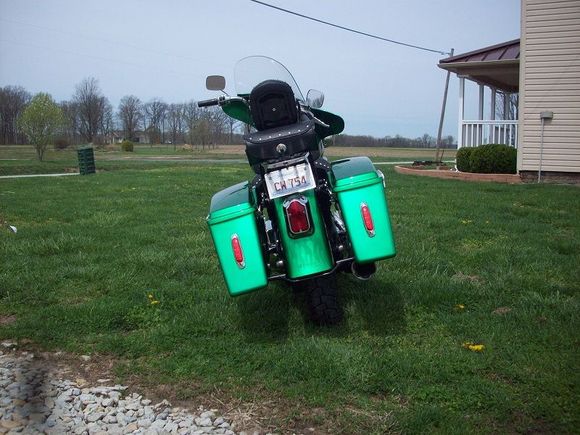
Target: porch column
x: 481, y: 93
x: 506, y: 106
x: 492, y: 110
x: 492, y: 116
x: 479, y: 139
x: 461, y: 111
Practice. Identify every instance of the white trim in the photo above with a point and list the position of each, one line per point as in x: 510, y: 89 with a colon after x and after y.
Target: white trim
x: 478, y: 132
x: 481, y: 95
x: 492, y: 109
x: 461, y: 112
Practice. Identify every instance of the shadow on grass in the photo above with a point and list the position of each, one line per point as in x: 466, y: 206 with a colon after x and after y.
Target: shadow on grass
x: 264, y: 314
x: 373, y: 306
x: 376, y: 304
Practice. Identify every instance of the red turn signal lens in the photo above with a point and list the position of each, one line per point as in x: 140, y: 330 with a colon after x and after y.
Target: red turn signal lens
x: 367, y: 219
x: 238, y: 252
x: 297, y: 213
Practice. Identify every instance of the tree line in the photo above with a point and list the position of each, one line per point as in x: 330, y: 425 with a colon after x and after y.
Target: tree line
x: 398, y: 141
x: 89, y: 117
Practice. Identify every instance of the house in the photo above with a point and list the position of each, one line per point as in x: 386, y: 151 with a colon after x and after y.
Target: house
x: 537, y: 80
x: 118, y: 136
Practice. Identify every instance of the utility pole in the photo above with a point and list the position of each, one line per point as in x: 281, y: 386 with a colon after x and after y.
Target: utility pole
x: 438, y: 153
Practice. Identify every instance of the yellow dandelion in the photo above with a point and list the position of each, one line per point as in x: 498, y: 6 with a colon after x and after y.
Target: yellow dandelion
x: 473, y: 346
x: 154, y: 302
x: 466, y: 221
x: 150, y: 296
x: 460, y: 307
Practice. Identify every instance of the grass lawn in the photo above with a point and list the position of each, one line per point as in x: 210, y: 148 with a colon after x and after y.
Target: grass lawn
x: 491, y: 264
x: 21, y: 159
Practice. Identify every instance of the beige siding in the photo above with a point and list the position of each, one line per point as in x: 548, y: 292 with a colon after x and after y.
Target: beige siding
x: 550, y: 81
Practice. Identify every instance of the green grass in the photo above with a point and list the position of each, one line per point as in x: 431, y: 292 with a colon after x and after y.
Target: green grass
x: 21, y: 159
x: 90, y: 249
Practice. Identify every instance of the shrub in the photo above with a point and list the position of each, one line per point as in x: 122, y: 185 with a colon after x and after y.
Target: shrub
x: 463, y: 159
x: 61, y: 143
x: 493, y: 159
x: 40, y: 122
x: 127, y: 146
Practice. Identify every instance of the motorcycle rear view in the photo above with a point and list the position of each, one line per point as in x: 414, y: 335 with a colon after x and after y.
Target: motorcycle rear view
x: 302, y: 219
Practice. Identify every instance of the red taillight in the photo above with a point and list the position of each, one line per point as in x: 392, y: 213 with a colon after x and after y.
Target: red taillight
x: 237, y: 250
x: 297, y: 213
x: 367, y: 219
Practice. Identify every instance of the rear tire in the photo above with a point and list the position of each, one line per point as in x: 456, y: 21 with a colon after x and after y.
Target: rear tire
x: 322, y: 297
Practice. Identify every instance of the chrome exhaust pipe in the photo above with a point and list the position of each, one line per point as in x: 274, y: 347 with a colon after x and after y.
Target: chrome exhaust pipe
x: 363, y: 271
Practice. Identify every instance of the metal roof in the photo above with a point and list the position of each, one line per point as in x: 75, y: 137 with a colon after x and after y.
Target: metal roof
x: 496, y: 66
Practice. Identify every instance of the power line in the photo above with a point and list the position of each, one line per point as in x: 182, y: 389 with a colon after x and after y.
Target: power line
x: 348, y: 29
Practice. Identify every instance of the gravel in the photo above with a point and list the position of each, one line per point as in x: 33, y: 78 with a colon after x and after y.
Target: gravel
x: 33, y: 399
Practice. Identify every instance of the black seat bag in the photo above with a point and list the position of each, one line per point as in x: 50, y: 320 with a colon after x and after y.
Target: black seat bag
x: 297, y: 138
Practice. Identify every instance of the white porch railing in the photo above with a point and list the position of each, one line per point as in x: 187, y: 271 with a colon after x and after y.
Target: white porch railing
x: 480, y: 132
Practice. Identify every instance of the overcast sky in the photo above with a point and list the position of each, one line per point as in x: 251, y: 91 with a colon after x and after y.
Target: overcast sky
x: 166, y: 49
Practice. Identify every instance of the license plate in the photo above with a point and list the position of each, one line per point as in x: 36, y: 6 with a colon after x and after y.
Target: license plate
x: 289, y: 180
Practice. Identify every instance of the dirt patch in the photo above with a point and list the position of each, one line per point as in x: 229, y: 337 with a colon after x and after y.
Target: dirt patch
x: 456, y: 175
x: 461, y: 277
x: 501, y: 311
x: 7, y: 319
x: 265, y: 411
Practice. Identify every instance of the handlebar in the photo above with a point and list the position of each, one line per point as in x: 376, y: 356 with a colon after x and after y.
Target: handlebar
x: 207, y: 103
x: 220, y: 101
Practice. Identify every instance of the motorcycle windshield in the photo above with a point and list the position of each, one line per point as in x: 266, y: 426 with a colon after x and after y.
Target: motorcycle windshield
x: 253, y: 70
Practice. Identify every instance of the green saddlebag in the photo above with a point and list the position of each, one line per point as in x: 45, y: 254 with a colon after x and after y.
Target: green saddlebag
x: 362, y: 200
x: 233, y: 226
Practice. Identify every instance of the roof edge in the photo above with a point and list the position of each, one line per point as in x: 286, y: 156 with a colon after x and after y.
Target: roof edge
x: 475, y: 65
x: 479, y: 50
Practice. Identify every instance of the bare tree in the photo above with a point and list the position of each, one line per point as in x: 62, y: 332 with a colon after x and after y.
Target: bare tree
x: 108, y: 122
x: 218, y: 125
x: 426, y: 141
x: 191, y: 115
x: 92, y: 106
x: 202, y: 130
x: 506, y: 107
x: 175, y: 122
x: 506, y: 101
x: 13, y: 100
x: 155, y: 111
x: 70, y: 128
x: 232, y: 125
x: 130, y: 114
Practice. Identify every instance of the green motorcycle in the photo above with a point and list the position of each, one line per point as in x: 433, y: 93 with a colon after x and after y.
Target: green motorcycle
x: 302, y: 219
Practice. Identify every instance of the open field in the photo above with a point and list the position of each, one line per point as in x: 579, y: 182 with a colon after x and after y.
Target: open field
x: 21, y: 159
x: 490, y: 264
x: 387, y: 153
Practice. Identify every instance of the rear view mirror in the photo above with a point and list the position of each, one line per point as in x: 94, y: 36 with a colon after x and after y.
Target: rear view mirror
x: 314, y: 99
x: 215, y: 83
